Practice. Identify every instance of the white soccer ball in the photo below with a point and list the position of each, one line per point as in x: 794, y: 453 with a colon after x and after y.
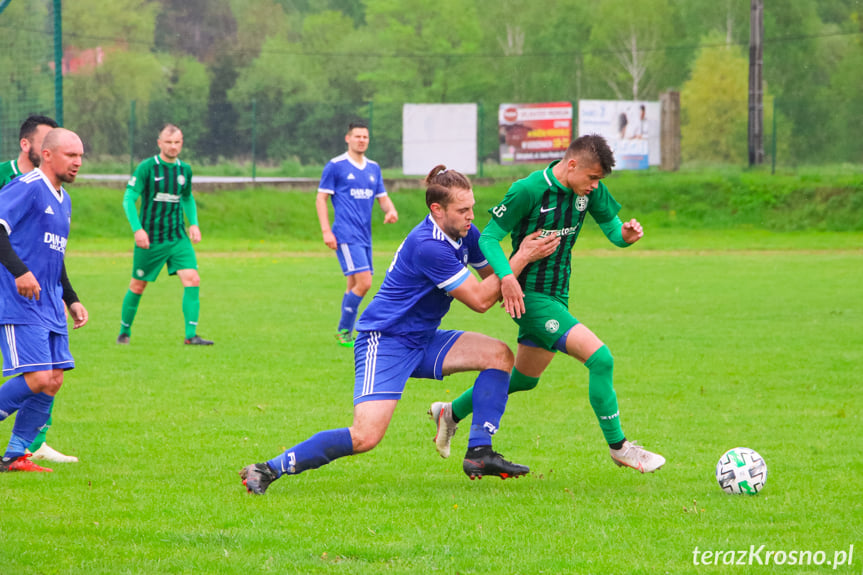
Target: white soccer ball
x: 741, y: 470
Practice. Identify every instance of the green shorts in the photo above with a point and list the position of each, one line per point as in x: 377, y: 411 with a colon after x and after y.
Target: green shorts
x: 179, y: 255
x: 546, y: 318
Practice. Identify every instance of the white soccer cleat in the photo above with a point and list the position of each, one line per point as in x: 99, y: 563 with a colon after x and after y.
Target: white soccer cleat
x: 441, y: 414
x: 48, y: 453
x: 634, y: 456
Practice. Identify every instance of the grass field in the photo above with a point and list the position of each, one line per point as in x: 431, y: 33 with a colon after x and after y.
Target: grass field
x: 714, y: 349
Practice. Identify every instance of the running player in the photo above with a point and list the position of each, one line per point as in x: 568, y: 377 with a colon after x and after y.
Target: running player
x: 35, y: 215
x: 31, y: 135
x: 353, y: 181
x: 399, y: 338
x: 164, y: 184
x: 555, y: 201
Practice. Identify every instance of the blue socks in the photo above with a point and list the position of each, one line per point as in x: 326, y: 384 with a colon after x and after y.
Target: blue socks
x: 32, y: 416
x: 350, y: 308
x: 314, y: 452
x: 13, y: 393
x: 490, y: 392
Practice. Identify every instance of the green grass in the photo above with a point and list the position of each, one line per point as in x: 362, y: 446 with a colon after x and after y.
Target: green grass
x: 714, y: 349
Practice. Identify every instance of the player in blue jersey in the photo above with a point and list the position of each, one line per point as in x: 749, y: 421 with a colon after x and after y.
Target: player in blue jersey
x: 35, y: 215
x: 399, y: 337
x: 353, y: 182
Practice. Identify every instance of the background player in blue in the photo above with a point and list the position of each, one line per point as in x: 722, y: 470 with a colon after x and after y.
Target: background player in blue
x: 399, y: 338
x: 35, y: 215
x: 353, y: 181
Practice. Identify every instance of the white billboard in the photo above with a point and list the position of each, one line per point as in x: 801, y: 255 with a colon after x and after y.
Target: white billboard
x: 435, y: 134
x: 631, y: 128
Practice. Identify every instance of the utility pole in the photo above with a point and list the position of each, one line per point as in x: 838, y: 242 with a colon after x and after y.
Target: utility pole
x: 756, y: 84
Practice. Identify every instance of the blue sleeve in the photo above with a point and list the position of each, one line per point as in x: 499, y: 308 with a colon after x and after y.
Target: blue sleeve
x: 15, y: 203
x: 475, y: 257
x: 379, y: 185
x: 328, y: 179
x: 438, y: 262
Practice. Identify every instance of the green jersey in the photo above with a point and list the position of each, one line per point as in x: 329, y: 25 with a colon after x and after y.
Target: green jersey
x: 163, y: 189
x: 541, y: 202
x: 8, y: 172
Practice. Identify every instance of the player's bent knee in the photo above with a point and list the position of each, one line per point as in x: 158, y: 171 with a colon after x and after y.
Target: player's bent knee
x: 499, y: 356
x: 601, y: 360
x: 365, y: 440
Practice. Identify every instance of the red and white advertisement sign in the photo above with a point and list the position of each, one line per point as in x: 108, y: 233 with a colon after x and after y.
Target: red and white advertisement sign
x: 534, y: 132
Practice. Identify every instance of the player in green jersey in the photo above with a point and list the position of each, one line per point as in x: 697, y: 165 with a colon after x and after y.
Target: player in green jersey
x: 164, y: 184
x: 555, y: 201
x: 32, y: 133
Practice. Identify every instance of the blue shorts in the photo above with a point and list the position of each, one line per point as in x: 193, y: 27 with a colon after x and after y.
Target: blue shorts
x: 354, y: 259
x: 28, y: 348
x: 383, y: 363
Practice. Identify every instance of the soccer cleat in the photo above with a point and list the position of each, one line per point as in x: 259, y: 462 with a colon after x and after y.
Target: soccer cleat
x: 257, y: 477
x: 481, y: 461
x: 634, y: 456
x: 441, y: 414
x: 197, y: 340
x: 22, y: 463
x: 344, y: 337
x: 123, y: 338
x: 48, y: 453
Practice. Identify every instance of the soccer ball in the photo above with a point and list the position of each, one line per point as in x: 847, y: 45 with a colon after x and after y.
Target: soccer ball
x: 741, y: 470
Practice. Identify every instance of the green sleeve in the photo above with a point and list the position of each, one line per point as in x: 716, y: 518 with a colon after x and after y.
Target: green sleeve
x: 489, y: 243
x: 602, y: 205
x: 129, y: 198
x: 612, y: 232
x: 190, y: 208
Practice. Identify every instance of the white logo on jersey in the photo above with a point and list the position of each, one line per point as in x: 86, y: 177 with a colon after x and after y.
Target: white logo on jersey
x: 581, y: 203
x: 361, y: 193
x: 181, y: 179
x: 545, y: 211
x: 159, y: 179
x: 55, y: 242
x: 48, y: 210
x: 552, y: 325
x: 351, y: 177
x: 163, y: 197
x: 372, y: 179
x: 132, y: 181
x: 561, y: 232
x: 498, y: 211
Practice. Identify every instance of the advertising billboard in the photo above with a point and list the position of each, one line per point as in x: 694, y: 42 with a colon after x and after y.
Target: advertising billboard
x: 631, y: 128
x: 534, y: 132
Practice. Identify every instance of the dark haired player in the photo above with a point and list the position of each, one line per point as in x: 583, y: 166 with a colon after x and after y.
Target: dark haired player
x: 555, y: 201
x: 399, y: 337
x: 353, y: 182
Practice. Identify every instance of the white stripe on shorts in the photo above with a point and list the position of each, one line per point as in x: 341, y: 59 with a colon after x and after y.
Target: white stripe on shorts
x: 371, y: 362
x: 346, y: 253
x: 13, y: 349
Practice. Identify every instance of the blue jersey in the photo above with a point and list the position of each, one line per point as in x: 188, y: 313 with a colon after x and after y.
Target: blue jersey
x: 354, y: 188
x: 414, y: 296
x: 37, y: 219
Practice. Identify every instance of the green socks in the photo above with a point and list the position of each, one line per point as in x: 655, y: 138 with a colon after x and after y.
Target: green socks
x: 603, y: 399
x: 462, y: 406
x: 130, y: 308
x: 191, y: 308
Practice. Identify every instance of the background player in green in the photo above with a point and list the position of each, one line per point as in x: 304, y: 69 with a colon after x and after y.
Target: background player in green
x: 555, y: 201
x: 164, y: 184
x: 32, y: 133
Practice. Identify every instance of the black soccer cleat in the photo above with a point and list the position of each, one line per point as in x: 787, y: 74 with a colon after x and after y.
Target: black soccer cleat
x: 123, y: 338
x: 480, y: 461
x: 197, y: 340
x: 257, y: 477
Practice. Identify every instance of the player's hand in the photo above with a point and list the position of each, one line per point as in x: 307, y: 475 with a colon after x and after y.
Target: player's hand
x: 195, y: 234
x: 79, y: 315
x: 28, y: 286
x: 535, y: 248
x: 391, y: 217
x: 631, y: 231
x: 513, y: 297
x: 142, y: 240
x: 330, y: 240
